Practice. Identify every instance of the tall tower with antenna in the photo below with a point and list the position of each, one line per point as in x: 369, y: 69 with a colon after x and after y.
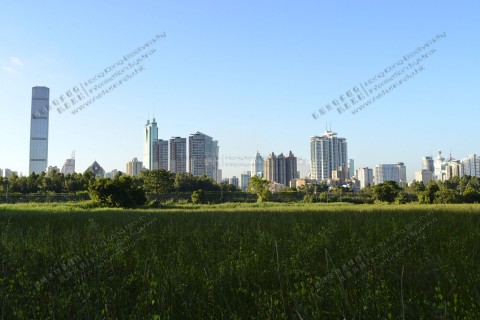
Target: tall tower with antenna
x: 150, y: 135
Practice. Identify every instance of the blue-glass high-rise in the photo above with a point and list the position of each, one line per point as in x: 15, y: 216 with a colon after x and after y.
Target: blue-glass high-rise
x: 39, y: 130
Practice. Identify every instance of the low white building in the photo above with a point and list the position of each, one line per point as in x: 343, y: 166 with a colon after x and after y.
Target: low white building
x: 424, y: 176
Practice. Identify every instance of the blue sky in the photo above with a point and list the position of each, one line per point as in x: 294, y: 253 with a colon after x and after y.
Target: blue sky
x: 249, y: 74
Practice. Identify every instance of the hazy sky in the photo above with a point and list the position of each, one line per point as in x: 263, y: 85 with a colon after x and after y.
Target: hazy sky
x: 248, y: 73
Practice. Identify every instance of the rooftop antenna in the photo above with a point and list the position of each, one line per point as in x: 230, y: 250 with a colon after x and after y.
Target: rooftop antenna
x: 330, y: 126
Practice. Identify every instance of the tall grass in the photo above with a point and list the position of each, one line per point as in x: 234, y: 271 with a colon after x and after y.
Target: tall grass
x: 263, y: 261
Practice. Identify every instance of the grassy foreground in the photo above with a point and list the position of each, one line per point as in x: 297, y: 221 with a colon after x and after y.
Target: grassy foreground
x: 264, y: 261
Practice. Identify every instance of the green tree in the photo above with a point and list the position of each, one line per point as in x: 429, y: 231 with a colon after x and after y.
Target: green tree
x: 87, y: 178
x: 259, y: 187
x: 386, y: 192
x: 470, y: 195
x: 414, y: 189
x: 15, y: 183
x: 118, y: 192
x: 158, y: 181
x: 184, y: 181
x: 206, y: 183
x: 452, y: 183
x: 198, y: 196
x: 428, y: 196
x: 3, y: 185
x: 445, y: 196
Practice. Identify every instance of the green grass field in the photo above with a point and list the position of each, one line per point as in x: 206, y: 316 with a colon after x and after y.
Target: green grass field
x: 241, y: 261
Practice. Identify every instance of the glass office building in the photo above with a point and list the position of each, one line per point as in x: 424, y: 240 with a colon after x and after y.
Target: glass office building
x: 203, y: 155
x: 151, y: 135
x: 39, y: 130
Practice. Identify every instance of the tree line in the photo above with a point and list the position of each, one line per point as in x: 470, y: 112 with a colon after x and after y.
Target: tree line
x: 155, y: 181
x: 127, y: 191
x: 454, y: 190
x: 121, y: 191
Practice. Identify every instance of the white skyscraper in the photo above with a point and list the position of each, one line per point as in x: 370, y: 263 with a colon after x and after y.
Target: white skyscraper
x: 351, y: 168
x: 39, y: 130
x: 150, y: 135
x: 257, y: 165
x: 453, y: 168
x: 471, y: 166
x: 391, y: 172
x: 440, y: 167
x: 203, y: 155
x: 365, y: 176
x: 327, y: 153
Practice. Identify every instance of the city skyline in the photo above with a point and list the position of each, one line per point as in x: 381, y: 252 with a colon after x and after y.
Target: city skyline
x: 160, y: 153
x: 215, y: 74
x: 328, y: 155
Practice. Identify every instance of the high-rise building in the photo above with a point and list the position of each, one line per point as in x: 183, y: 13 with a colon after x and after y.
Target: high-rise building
x: 270, y: 168
x: 327, y: 153
x: 391, y: 172
x: 96, y: 169
x: 245, y: 180
x: 69, y: 165
x: 339, y: 176
x: 203, y: 155
x: 50, y: 170
x: 7, y: 173
x: 365, y: 176
x: 1, y: 173
x: 471, y: 166
x: 160, y: 155
x: 134, y: 167
x: 111, y: 174
x: 150, y: 135
x: 424, y: 176
x: 234, y: 181
x: 178, y: 154
x: 351, y: 168
x: 39, y: 130
x: 427, y: 173
x: 290, y: 168
x: 453, y: 168
x: 428, y: 164
x: 280, y: 169
x: 440, y: 167
x: 219, y: 176
x: 257, y: 165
